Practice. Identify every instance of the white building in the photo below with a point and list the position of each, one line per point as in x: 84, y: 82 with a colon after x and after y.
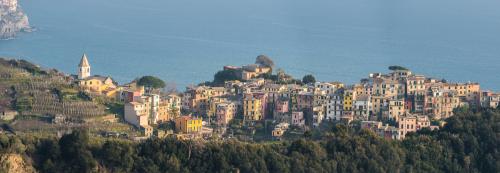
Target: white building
x: 136, y: 113
x: 335, y: 107
x: 362, y: 107
x: 326, y: 88
x: 155, y: 104
x: 186, y: 99
x: 173, y: 101
x: 152, y: 102
x: 318, y: 115
x: 84, y: 68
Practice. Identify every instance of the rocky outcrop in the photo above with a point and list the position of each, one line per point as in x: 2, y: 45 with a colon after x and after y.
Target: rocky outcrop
x: 12, y: 19
x: 14, y: 163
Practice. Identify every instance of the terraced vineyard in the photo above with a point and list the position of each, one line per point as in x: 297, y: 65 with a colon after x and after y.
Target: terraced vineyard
x: 39, y: 95
x: 43, y: 97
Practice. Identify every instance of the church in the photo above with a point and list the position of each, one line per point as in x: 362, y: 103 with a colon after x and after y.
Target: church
x: 94, y: 84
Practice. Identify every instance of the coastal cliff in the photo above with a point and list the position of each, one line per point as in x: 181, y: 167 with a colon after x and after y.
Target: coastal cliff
x: 12, y: 19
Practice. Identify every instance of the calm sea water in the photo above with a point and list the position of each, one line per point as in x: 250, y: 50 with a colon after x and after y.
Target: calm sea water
x: 187, y: 41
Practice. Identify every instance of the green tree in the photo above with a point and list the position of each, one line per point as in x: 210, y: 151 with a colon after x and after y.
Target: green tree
x: 117, y: 156
x: 225, y: 75
x: 75, y: 152
x: 151, y: 81
x: 467, y: 143
x: 173, y: 164
x: 397, y: 67
x: 264, y: 61
x: 308, y: 79
x: 49, y: 153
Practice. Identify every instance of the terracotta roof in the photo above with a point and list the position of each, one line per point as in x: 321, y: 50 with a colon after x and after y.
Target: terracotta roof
x: 101, y: 78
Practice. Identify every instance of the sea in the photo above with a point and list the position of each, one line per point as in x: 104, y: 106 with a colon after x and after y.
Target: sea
x: 184, y: 42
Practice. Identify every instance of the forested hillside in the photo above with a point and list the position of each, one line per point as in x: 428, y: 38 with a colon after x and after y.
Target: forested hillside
x: 468, y: 143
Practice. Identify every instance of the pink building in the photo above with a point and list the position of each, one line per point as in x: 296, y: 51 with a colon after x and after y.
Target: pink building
x: 412, y: 123
x: 305, y: 100
x: 129, y: 96
x: 225, y: 113
x: 298, y: 119
x: 282, y: 106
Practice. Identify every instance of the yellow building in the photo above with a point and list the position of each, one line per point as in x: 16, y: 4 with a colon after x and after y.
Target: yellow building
x: 96, y: 84
x: 388, y: 88
x: 252, y: 108
x: 169, y: 108
x: 469, y: 92
x: 348, y: 98
x: 278, y: 132
x: 199, y: 98
x: 411, y: 123
x: 378, y: 103
x: 147, y: 130
x: 212, y: 105
x: 440, y: 104
x: 252, y: 71
x: 396, y: 109
x: 415, y: 85
x: 187, y: 124
x: 163, y: 112
x: 280, y: 129
x: 359, y: 89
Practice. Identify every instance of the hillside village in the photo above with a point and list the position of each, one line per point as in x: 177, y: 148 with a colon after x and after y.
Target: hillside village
x: 251, y: 102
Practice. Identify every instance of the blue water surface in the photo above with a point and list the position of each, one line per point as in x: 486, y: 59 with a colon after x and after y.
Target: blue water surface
x: 187, y: 41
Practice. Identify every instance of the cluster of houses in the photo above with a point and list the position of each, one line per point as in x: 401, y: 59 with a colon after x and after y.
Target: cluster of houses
x: 143, y: 107
x: 407, y: 101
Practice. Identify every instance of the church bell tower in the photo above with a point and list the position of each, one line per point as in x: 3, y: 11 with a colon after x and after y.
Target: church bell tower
x: 84, y: 68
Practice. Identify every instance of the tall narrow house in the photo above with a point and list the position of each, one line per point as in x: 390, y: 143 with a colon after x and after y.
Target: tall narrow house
x: 84, y: 68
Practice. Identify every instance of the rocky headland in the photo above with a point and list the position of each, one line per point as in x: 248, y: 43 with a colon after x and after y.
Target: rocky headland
x: 12, y: 19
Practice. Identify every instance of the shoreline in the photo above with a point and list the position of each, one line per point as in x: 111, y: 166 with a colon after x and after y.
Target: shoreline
x: 125, y: 80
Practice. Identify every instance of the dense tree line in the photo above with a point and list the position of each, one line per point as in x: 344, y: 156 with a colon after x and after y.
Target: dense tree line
x: 468, y: 143
x: 397, y: 67
x: 225, y: 75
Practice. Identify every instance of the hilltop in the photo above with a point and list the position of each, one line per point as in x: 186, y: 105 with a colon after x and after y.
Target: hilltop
x: 47, y: 102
